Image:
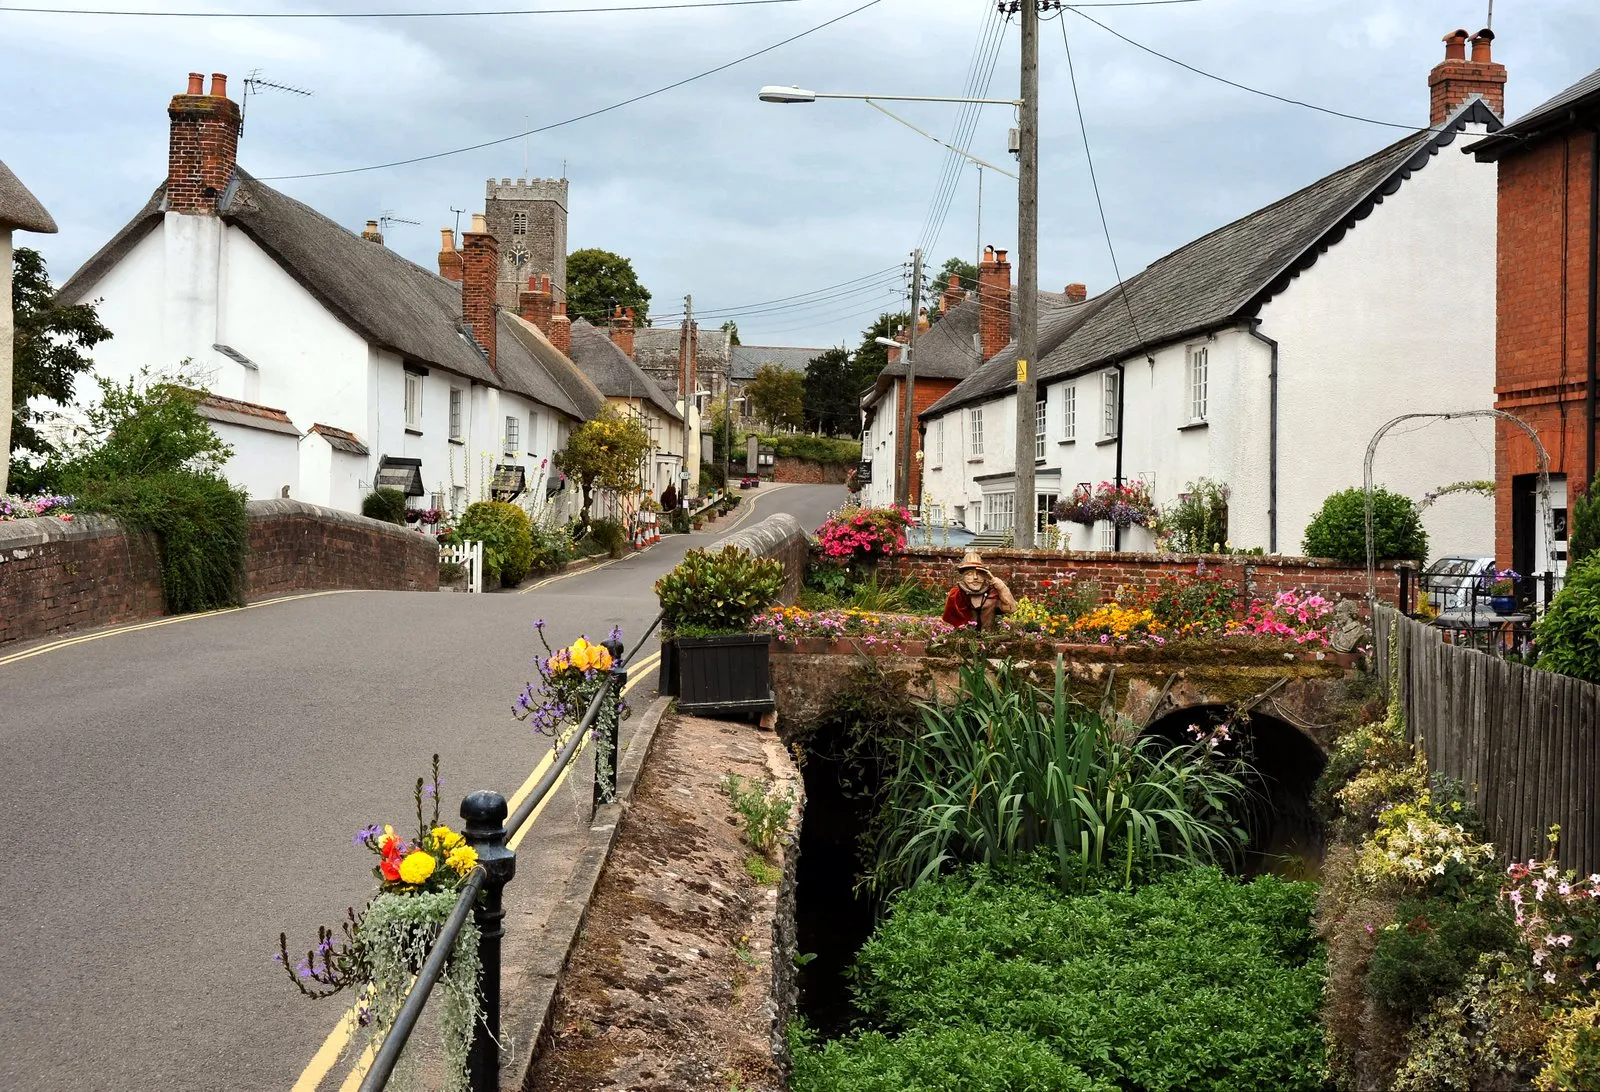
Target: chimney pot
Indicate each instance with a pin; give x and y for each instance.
(1077, 293)
(1455, 81)
(1480, 46)
(203, 150)
(450, 267)
(371, 232)
(219, 85)
(197, 83)
(1455, 45)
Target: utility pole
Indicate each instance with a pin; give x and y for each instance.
(1027, 302)
(686, 391)
(902, 493)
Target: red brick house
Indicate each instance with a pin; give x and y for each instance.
(1547, 280)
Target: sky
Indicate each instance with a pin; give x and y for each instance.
(737, 202)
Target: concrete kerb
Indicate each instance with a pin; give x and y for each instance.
(541, 980)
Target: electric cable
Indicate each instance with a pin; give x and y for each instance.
(879, 274)
(391, 14)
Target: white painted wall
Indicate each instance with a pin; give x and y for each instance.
(263, 462)
(878, 448)
(6, 330)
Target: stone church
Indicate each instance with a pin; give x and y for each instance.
(528, 218)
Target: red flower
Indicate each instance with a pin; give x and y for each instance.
(390, 870)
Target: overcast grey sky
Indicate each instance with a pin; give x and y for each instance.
(710, 191)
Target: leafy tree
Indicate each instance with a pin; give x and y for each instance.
(48, 344)
(1583, 525)
(953, 267)
(778, 396)
(599, 281)
(733, 331)
(871, 358)
(605, 452)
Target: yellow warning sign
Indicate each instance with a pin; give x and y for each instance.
(1022, 370)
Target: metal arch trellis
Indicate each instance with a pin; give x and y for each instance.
(1546, 517)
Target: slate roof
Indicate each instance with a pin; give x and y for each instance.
(392, 302)
(1221, 278)
(21, 209)
(1556, 113)
(611, 371)
(746, 360)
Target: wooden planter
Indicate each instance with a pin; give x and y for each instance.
(667, 680)
(720, 675)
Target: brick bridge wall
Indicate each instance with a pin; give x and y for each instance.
(58, 575)
(788, 468)
(781, 536)
(1254, 577)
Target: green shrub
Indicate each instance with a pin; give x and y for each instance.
(609, 535)
(386, 503)
(1198, 523)
(551, 547)
(506, 536)
(1429, 949)
(1568, 636)
(1008, 769)
(1583, 525)
(817, 449)
(678, 523)
(1195, 982)
(719, 592)
(1339, 529)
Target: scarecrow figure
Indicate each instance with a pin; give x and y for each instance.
(978, 596)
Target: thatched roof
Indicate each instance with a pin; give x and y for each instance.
(20, 209)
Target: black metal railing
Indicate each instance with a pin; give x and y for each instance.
(1461, 605)
(488, 829)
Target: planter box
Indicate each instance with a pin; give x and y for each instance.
(667, 680)
(728, 674)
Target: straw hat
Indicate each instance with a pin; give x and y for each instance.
(972, 560)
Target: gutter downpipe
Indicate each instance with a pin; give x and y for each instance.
(1272, 442)
(1594, 292)
(1122, 400)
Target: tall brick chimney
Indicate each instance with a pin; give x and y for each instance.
(480, 268)
(371, 233)
(994, 301)
(622, 329)
(1077, 293)
(952, 294)
(561, 330)
(1456, 79)
(537, 303)
(203, 150)
(449, 256)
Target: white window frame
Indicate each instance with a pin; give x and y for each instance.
(457, 401)
(975, 432)
(1199, 381)
(938, 443)
(533, 433)
(1069, 412)
(513, 435)
(413, 400)
(1041, 421)
(1109, 393)
(1000, 513)
(1043, 501)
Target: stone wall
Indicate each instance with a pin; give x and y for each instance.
(780, 536)
(1253, 577)
(788, 468)
(59, 575)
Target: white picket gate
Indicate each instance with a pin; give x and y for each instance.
(469, 554)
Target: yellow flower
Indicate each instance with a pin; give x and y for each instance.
(417, 867)
(447, 838)
(462, 859)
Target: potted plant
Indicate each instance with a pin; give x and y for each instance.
(709, 659)
(1501, 587)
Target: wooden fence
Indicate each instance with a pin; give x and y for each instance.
(1522, 742)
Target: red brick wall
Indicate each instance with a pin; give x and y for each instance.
(1253, 577)
(788, 468)
(1542, 319)
(57, 577)
(203, 146)
(994, 302)
(480, 286)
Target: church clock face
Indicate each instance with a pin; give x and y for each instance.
(518, 255)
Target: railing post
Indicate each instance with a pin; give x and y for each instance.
(606, 757)
(1405, 590)
(485, 815)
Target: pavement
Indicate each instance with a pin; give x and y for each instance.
(178, 794)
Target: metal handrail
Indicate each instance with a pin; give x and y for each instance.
(489, 910)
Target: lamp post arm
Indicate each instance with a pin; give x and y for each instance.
(915, 98)
(936, 140)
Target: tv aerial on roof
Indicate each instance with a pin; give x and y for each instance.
(255, 84)
(388, 217)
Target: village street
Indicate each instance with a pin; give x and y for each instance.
(177, 794)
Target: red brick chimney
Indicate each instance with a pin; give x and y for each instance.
(203, 150)
(449, 256)
(994, 301)
(1077, 293)
(952, 295)
(622, 330)
(537, 304)
(1456, 79)
(480, 266)
(561, 330)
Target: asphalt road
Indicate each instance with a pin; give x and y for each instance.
(175, 796)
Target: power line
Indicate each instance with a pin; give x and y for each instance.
(797, 296)
(833, 300)
(1094, 181)
(581, 117)
(1246, 87)
(985, 58)
(391, 14)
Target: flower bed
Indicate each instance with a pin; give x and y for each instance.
(864, 534)
(803, 630)
(45, 504)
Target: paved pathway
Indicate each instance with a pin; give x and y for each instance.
(176, 795)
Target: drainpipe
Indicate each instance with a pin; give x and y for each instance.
(1594, 291)
(1272, 434)
(1122, 400)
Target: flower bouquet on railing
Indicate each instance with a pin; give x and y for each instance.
(381, 947)
(568, 680)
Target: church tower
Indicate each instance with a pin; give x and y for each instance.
(528, 218)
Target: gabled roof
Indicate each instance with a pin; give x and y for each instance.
(610, 370)
(1560, 112)
(21, 209)
(1219, 279)
(236, 411)
(745, 360)
(560, 380)
(388, 300)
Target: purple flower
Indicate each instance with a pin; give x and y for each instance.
(367, 834)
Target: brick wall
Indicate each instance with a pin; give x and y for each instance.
(203, 146)
(788, 468)
(480, 261)
(58, 576)
(1253, 577)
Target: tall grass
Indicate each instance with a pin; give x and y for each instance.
(1010, 769)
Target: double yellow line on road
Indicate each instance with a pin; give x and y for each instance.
(328, 1054)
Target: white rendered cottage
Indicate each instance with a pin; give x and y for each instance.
(337, 364)
(1266, 354)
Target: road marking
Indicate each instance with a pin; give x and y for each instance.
(119, 630)
(327, 1056)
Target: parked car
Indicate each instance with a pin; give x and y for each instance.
(1451, 582)
(953, 535)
